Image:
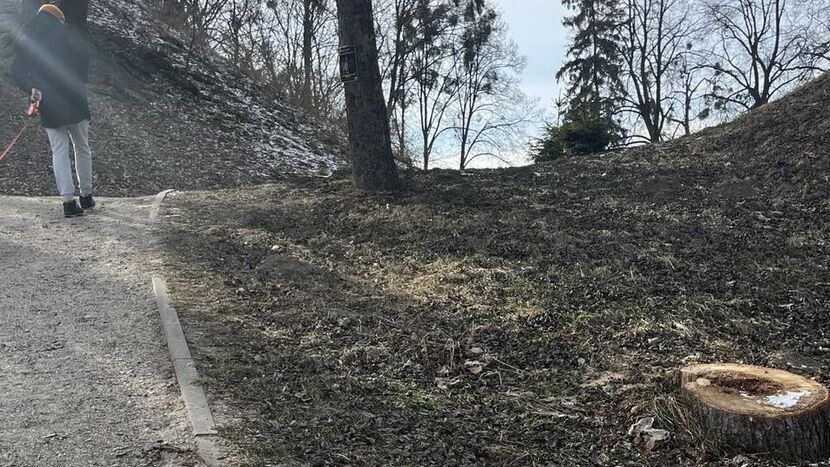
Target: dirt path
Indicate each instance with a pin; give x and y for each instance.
(85, 377)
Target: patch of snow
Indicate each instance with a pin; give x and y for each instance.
(786, 400)
(262, 136)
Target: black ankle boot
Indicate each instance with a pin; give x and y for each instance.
(87, 202)
(71, 209)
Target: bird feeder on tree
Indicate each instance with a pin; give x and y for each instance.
(348, 63)
(760, 410)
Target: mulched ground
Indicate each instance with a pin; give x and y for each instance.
(517, 317)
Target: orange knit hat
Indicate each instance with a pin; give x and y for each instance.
(54, 11)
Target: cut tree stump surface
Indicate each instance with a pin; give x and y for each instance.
(760, 410)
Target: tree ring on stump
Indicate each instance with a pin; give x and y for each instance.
(760, 410)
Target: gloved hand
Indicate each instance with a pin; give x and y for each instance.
(34, 102)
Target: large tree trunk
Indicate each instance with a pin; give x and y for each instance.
(369, 134)
(760, 410)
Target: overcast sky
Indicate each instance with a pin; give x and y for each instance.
(536, 26)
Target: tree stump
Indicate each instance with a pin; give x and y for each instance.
(760, 410)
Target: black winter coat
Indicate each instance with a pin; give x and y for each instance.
(54, 58)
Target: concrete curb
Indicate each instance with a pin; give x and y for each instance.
(195, 400)
(156, 206)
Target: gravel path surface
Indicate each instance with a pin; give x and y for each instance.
(85, 378)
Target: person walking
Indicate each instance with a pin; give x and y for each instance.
(54, 54)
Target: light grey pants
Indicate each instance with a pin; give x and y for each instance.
(60, 139)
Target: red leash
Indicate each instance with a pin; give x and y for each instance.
(9, 148)
(30, 114)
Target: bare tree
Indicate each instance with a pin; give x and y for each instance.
(489, 107)
(398, 39)
(312, 9)
(234, 39)
(290, 48)
(689, 83)
(432, 63)
(297, 46)
(760, 50)
(200, 18)
(653, 41)
(435, 91)
(820, 17)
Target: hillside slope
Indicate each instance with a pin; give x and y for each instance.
(780, 149)
(158, 124)
(514, 317)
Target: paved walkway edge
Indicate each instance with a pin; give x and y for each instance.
(195, 400)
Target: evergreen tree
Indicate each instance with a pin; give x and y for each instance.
(594, 69)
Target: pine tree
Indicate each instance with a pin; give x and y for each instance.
(594, 69)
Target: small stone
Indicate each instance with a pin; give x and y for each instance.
(474, 366)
